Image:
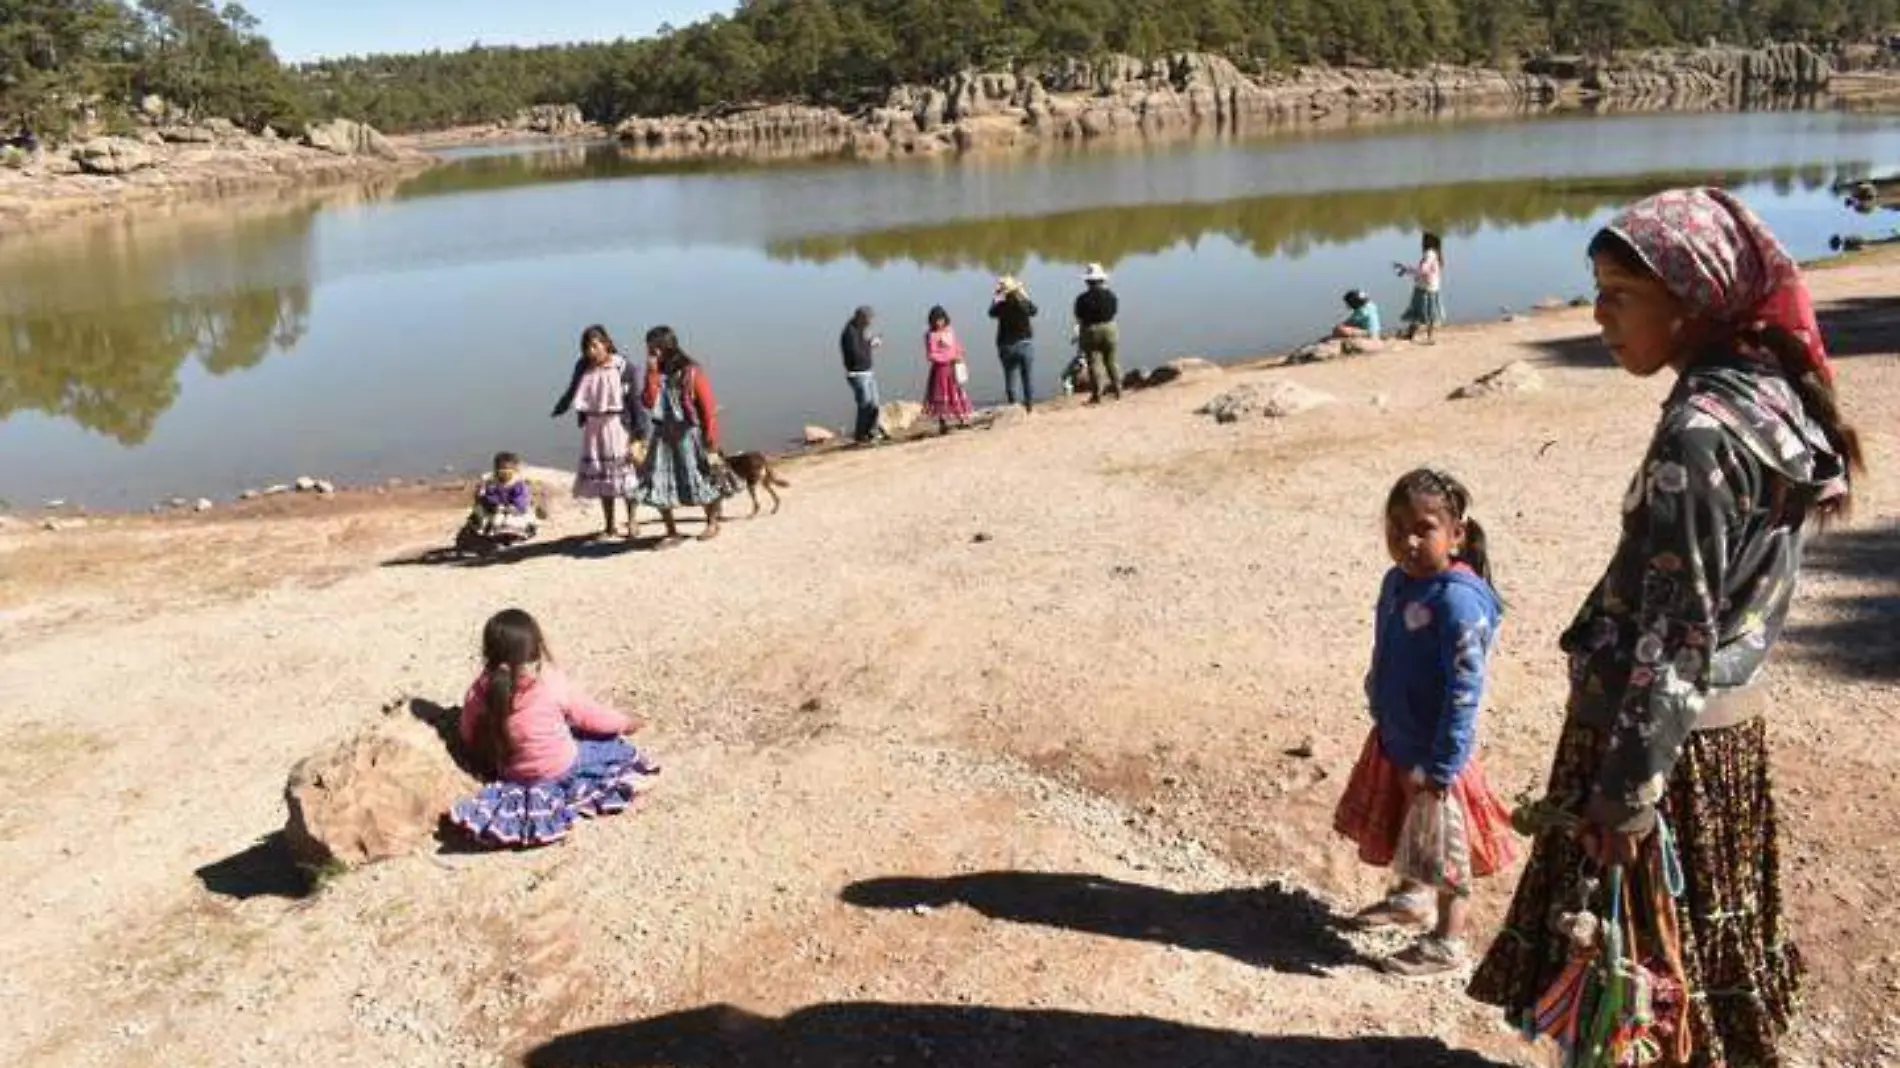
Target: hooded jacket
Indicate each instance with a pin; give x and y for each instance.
(1431, 642)
(1702, 579)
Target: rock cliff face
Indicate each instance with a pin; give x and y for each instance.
(1075, 100)
(1121, 96)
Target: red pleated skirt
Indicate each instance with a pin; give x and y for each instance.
(1372, 812)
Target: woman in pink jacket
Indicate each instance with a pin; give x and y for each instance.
(945, 397)
(557, 754)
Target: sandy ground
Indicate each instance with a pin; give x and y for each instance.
(977, 754)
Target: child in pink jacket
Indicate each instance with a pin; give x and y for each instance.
(557, 754)
(945, 398)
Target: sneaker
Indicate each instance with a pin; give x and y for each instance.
(1429, 956)
(1399, 909)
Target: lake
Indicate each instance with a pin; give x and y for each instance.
(409, 330)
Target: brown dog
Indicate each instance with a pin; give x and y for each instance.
(755, 469)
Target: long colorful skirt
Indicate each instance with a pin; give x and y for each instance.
(1744, 974)
(608, 774)
(1426, 309)
(944, 396)
(602, 473)
(679, 472)
(1372, 811)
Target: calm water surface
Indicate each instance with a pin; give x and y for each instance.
(425, 327)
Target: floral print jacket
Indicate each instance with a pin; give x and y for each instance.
(1701, 582)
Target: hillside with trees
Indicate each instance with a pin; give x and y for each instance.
(60, 57)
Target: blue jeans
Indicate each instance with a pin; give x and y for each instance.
(1019, 359)
(864, 392)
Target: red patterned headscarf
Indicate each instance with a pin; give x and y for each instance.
(1718, 258)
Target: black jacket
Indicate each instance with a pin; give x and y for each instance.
(855, 343)
(1013, 314)
(1096, 305)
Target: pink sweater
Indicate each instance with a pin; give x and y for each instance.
(942, 346)
(547, 710)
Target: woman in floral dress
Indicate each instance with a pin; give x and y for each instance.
(683, 467)
(1664, 729)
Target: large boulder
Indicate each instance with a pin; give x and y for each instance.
(113, 155)
(553, 119)
(899, 416)
(378, 793)
(1514, 377)
(344, 137)
(1273, 400)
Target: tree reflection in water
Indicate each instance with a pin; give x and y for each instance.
(1283, 224)
(96, 327)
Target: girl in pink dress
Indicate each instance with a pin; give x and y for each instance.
(600, 396)
(945, 398)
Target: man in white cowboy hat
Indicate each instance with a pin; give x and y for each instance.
(1097, 333)
(1013, 311)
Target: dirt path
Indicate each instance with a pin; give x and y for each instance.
(929, 798)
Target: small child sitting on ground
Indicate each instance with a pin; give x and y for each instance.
(503, 513)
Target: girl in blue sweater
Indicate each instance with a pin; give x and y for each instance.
(1436, 625)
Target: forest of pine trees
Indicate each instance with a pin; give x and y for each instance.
(844, 52)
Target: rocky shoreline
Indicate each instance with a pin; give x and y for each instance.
(168, 163)
(1124, 97)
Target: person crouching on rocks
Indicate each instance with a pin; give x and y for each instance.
(1097, 333)
(556, 754)
(1362, 318)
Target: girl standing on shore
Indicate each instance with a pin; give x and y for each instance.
(945, 398)
(1427, 309)
(1663, 753)
(682, 465)
(1418, 777)
(600, 396)
(556, 754)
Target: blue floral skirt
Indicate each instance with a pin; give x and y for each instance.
(1427, 308)
(606, 777)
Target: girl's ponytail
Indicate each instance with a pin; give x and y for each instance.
(511, 643)
(1476, 552)
(1822, 404)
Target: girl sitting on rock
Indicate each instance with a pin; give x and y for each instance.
(1417, 782)
(557, 755)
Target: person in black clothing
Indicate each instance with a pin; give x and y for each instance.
(1013, 311)
(859, 345)
(1097, 333)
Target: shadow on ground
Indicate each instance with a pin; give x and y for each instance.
(266, 869)
(1859, 636)
(573, 547)
(1858, 326)
(1273, 927)
(875, 1035)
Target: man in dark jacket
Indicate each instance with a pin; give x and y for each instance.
(1097, 334)
(1013, 311)
(859, 346)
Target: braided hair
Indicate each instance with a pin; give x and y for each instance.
(1443, 486)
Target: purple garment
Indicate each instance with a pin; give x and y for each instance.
(513, 497)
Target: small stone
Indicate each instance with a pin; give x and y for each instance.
(818, 435)
(56, 503)
(203, 504)
(277, 490)
(306, 484)
(250, 495)
(176, 502)
(982, 538)
(1305, 750)
(325, 488)
(1514, 377)
(921, 910)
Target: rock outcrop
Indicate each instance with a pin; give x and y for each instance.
(378, 793)
(345, 137)
(554, 120)
(113, 156)
(1273, 400)
(1121, 96)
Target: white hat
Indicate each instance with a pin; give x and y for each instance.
(1095, 273)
